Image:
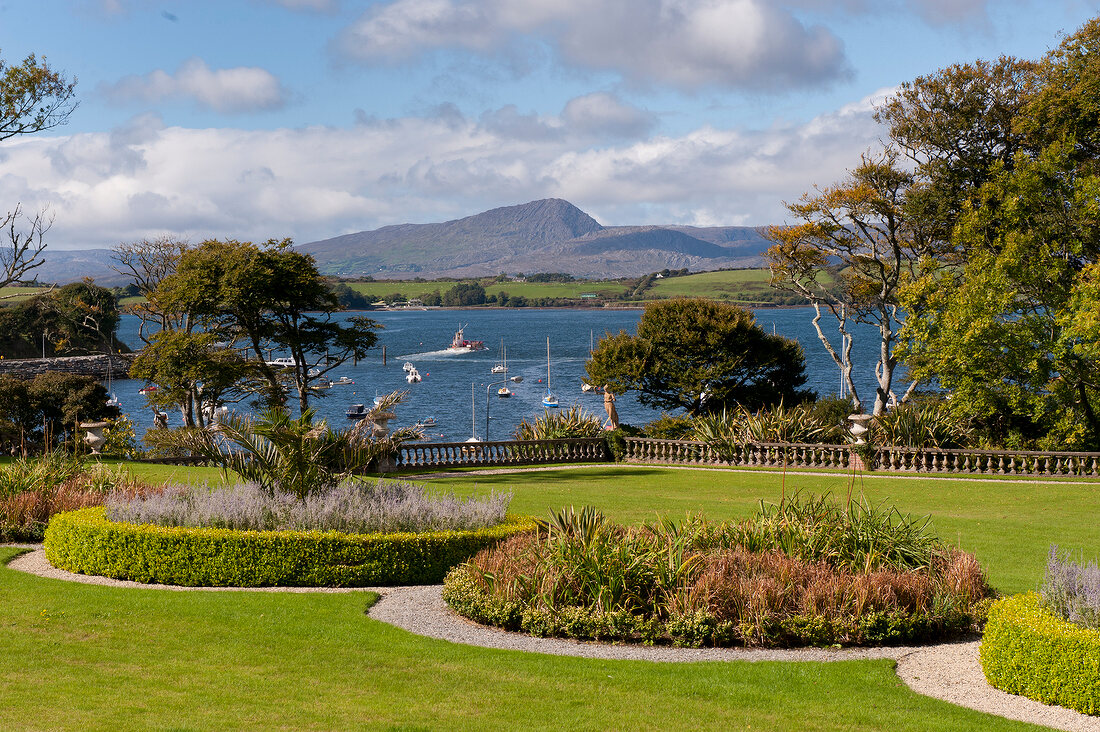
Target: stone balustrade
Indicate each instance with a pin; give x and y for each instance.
(416, 455)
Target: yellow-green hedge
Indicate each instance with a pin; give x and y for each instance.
(1030, 651)
(85, 541)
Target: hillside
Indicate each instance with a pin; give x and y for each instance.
(550, 235)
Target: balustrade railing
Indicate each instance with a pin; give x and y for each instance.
(504, 453)
(1024, 463)
(891, 459)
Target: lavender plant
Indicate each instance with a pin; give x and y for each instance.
(351, 506)
(1072, 590)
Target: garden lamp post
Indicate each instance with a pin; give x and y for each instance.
(488, 390)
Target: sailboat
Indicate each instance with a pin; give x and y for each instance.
(501, 367)
(550, 401)
(473, 419)
(112, 400)
(503, 392)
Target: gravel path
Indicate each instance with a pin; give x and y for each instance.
(949, 671)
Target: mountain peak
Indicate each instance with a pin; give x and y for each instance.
(544, 221)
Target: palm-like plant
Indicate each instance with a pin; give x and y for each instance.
(571, 422)
(299, 456)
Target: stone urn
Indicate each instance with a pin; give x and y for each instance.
(859, 427)
(93, 436)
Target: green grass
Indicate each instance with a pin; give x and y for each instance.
(20, 294)
(1008, 526)
(99, 658)
(741, 285)
(738, 284)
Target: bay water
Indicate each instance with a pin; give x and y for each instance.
(454, 388)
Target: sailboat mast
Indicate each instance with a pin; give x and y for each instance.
(548, 364)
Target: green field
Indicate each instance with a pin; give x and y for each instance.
(18, 294)
(741, 285)
(745, 285)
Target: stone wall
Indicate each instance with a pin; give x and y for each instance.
(95, 366)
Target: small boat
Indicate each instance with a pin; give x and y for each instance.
(502, 366)
(147, 389)
(342, 381)
(426, 422)
(459, 344)
(322, 384)
(357, 411)
(588, 388)
(413, 377)
(112, 401)
(549, 401)
(282, 362)
(407, 367)
(504, 392)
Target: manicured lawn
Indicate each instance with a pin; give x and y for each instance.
(97, 658)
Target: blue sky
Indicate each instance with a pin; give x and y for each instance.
(255, 119)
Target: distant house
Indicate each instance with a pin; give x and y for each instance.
(415, 302)
(588, 296)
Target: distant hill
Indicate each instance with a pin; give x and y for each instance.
(71, 265)
(549, 235)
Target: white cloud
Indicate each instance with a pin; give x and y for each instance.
(235, 90)
(145, 179)
(688, 44)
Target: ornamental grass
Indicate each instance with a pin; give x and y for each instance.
(351, 506)
(34, 489)
(699, 583)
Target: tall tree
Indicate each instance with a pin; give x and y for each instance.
(852, 250)
(1006, 327)
(700, 356)
(267, 298)
(33, 98)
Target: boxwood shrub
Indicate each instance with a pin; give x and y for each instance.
(1029, 650)
(85, 541)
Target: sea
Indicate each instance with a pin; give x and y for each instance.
(459, 392)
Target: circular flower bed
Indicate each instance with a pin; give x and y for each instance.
(804, 573)
(86, 542)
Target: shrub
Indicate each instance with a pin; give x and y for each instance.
(298, 456)
(33, 490)
(922, 424)
(353, 507)
(668, 427)
(1072, 591)
(561, 424)
(85, 541)
(695, 584)
(728, 431)
(1031, 651)
(857, 535)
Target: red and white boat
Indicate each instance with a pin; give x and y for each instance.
(459, 344)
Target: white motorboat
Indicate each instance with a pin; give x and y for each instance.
(342, 381)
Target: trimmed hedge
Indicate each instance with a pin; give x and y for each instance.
(86, 542)
(1031, 651)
